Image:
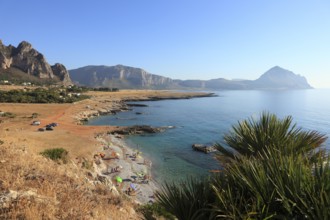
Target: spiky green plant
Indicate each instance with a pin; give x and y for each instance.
(187, 199)
(250, 137)
(273, 186)
(273, 170)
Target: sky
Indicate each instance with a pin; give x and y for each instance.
(181, 39)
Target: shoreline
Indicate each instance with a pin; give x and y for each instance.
(122, 104)
(84, 141)
(118, 154)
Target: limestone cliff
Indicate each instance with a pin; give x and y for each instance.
(119, 76)
(31, 62)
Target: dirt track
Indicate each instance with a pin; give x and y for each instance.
(79, 140)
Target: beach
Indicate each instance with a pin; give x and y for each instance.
(132, 169)
(124, 169)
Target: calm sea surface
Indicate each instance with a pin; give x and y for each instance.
(206, 120)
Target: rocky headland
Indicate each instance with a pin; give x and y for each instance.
(108, 107)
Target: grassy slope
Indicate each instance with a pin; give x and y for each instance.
(16, 75)
(33, 187)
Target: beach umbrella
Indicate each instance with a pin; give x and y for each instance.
(119, 179)
(133, 186)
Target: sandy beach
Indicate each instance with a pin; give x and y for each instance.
(87, 143)
(134, 170)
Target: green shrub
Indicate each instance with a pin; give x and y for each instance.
(39, 95)
(154, 211)
(56, 154)
(8, 115)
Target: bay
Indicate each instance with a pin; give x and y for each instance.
(206, 120)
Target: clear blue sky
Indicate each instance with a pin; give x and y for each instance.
(195, 39)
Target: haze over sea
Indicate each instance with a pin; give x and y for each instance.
(206, 120)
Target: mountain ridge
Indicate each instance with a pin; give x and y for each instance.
(118, 76)
(127, 77)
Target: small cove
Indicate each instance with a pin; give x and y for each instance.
(206, 120)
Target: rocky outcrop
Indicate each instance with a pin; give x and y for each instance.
(60, 71)
(204, 148)
(5, 56)
(31, 62)
(138, 129)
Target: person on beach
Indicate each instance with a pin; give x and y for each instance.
(146, 179)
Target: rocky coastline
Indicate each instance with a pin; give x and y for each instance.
(112, 107)
(113, 140)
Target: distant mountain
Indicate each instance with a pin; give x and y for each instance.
(279, 78)
(119, 77)
(129, 77)
(26, 63)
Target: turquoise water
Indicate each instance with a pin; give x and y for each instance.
(206, 120)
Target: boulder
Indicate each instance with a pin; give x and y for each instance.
(204, 148)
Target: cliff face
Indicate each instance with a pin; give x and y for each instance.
(119, 76)
(31, 62)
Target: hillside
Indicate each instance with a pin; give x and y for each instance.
(129, 77)
(24, 63)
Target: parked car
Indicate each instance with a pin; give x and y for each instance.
(41, 129)
(36, 123)
(53, 124)
(49, 128)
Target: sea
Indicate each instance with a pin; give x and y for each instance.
(207, 120)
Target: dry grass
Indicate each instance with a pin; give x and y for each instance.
(33, 187)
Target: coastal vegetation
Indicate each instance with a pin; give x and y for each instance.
(41, 95)
(7, 115)
(56, 154)
(50, 94)
(271, 169)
